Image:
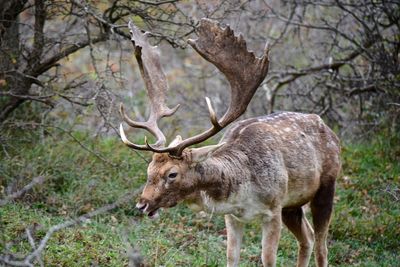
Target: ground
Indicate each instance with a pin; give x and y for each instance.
(364, 231)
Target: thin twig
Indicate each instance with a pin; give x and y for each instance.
(33, 245)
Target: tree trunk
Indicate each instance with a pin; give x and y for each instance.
(12, 81)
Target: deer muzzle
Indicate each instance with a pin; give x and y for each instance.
(147, 208)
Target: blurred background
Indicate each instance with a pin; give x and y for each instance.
(65, 66)
(70, 63)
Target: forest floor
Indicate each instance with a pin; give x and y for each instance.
(364, 230)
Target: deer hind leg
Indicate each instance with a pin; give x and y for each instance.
(234, 230)
(297, 223)
(321, 209)
(271, 232)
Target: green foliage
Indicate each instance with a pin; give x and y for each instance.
(365, 227)
(364, 230)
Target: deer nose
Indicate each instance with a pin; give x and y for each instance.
(142, 206)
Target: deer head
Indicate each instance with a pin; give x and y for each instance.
(172, 175)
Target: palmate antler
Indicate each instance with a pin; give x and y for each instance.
(229, 54)
(148, 58)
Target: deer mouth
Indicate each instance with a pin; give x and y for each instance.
(153, 214)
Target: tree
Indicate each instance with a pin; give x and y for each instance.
(36, 36)
(336, 58)
(349, 60)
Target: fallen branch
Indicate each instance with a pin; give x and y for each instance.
(19, 193)
(134, 256)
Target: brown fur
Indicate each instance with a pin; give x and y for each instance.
(268, 168)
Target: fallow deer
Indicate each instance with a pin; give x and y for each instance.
(264, 168)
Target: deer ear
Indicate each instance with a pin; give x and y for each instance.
(203, 153)
(176, 141)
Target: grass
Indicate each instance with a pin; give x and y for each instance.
(364, 231)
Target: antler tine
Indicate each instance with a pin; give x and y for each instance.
(176, 151)
(129, 143)
(148, 58)
(213, 116)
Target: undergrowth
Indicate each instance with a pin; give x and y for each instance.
(364, 231)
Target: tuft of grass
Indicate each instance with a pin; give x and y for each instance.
(364, 229)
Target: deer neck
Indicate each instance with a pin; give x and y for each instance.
(216, 179)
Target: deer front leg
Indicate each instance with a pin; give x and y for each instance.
(234, 230)
(271, 232)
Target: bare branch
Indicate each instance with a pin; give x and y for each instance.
(19, 193)
(52, 61)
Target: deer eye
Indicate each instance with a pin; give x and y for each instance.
(172, 175)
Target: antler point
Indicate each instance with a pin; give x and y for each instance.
(213, 116)
(122, 133)
(121, 109)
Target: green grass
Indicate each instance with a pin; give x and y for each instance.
(364, 231)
